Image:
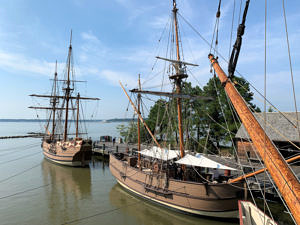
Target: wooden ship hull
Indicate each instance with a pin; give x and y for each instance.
(203, 199)
(68, 153)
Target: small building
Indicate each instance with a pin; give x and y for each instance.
(281, 129)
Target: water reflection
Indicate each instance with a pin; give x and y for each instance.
(147, 213)
(67, 187)
(100, 162)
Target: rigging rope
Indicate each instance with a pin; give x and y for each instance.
(237, 45)
(291, 68)
(233, 12)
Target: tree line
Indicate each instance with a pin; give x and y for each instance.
(208, 125)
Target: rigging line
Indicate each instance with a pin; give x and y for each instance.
(23, 157)
(286, 184)
(270, 125)
(18, 151)
(265, 105)
(180, 40)
(230, 43)
(22, 146)
(22, 172)
(25, 191)
(222, 57)
(272, 182)
(240, 12)
(290, 63)
(274, 107)
(155, 61)
(229, 131)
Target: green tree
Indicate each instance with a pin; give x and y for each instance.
(219, 114)
(129, 133)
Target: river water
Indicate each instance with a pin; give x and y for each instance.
(35, 191)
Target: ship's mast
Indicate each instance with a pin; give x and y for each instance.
(54, 101)
(68, 89)
(138, 124)
(284, 178)
(178, 80)
(77, 118)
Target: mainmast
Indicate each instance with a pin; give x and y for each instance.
(138, 123)
(68, 89)
(54, 101)
(180, 74)
(77, 118)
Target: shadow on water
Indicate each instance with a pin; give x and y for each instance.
(68, 186)
(100, 162)
(148, 213)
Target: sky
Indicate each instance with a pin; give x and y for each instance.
(119, 39)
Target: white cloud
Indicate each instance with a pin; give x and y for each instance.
(89, 36)
(160, 22)
(115, 76)
(20, 63)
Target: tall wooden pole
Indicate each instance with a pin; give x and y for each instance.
(178, 81)
(140, 117)
(138, 124)
(283, 177)
(77, 116)
(54, 102)
(68, 89)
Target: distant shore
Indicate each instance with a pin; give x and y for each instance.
(44, 120)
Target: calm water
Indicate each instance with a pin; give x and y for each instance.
(35, 191)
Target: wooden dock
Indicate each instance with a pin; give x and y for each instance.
(105, 148)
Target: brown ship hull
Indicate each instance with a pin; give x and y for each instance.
(68, 153)
(214, 200)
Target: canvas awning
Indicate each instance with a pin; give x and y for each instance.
(161, 153)
(202, 161)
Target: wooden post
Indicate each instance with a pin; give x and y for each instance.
(245, 191)
(283, 177)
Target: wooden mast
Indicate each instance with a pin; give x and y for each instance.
(178, 80)
(77, 116)
(138, 123)
(139, 115)
(68, 89)
(283, 177)
(54, 102)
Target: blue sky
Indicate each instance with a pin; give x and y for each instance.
(118, 39)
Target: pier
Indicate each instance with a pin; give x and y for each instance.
(105, 148)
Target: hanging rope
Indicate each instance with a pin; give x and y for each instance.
(290, 63)
(265, 105)
(232, 22)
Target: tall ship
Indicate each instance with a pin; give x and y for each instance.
(187, 182)
(149, 175)
(60, 145)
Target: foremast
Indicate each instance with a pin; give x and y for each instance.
(68, 89)
(284, 178)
